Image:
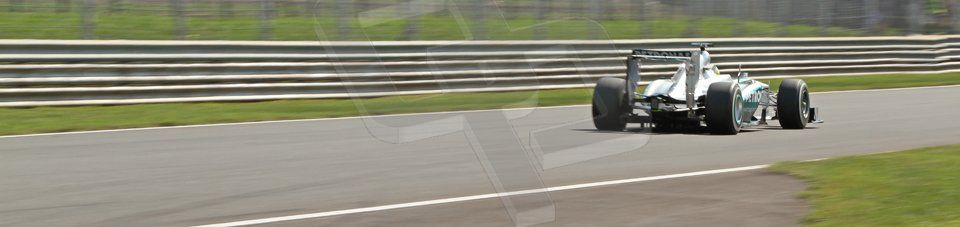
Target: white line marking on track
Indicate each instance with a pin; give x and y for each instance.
(479, 197)
(389, 115)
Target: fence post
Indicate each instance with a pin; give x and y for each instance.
(179, 22)
(88, 27)
(266, 19)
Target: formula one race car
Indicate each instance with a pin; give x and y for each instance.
(696, 95)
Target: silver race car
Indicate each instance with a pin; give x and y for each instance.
(698, 95)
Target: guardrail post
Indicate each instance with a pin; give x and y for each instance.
(179, 22)
(266, 19)
(88, 27)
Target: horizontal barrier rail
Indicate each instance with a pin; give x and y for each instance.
(54, 73)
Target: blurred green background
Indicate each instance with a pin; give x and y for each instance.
(468, 19)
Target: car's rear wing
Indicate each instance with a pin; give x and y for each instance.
(662, 55)
(691, 61)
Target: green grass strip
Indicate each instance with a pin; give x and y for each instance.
(62, 119)
(911, 188)
(138, 25)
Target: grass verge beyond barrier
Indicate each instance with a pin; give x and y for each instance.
(62, 119)
(911, 188)
(437, 26)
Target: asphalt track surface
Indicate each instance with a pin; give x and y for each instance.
(217, 174)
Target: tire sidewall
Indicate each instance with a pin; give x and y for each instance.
(722, 109)
(736, 110)
(804, 110)
(608, 107)
(791, 111)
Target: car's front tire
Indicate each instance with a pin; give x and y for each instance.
(793, 104)
(724, 107)
(609, 104)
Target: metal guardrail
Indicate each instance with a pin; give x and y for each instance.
(55, 73)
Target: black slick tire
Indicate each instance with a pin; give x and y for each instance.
(609, 104)
(793, 104)
(723, 104)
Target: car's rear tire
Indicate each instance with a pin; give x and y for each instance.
(793, 104)
(724, 107)
(609, 104)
